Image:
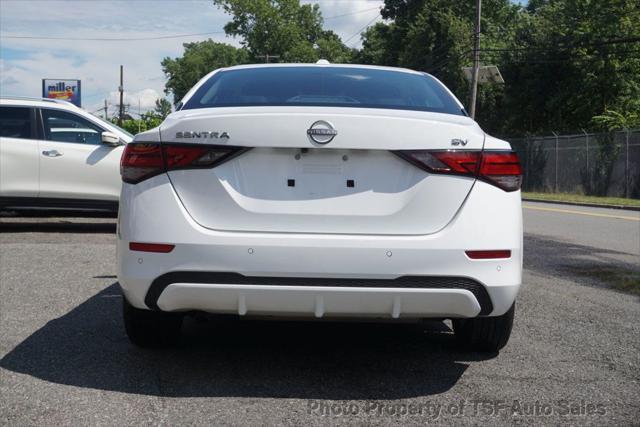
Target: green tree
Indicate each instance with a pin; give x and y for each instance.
(148, 120)
(162, 108)
(283, 28)
(563, 61)
(571, 60)
(199, 59)
(436, 36)
(330, 47)
(379, 45)
(597, 181)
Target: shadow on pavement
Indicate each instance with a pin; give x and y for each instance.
(57, 213)
(58, 227)
(87, 347)
(579, 263)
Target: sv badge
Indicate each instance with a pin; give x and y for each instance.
(456, 142)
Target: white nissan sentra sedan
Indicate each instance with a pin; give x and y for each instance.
(321, 191)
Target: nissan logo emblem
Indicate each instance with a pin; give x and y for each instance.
(322, 132)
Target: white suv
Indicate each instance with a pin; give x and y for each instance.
(56, 155)
(326, 191)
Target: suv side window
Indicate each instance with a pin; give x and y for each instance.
(15, 122)
(63, 126)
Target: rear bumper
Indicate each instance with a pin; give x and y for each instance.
(307, 301)
(151, 212)
(233, 293)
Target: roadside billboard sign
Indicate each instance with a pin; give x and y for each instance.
(65, 89)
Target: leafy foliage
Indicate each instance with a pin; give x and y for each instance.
(283, 28)
(612, 120)
(436, 36)
(199, 59)
(596, 181)
(568, 64)
(162, 108)
(148, 120)
(563, 61)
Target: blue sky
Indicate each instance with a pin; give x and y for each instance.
(24, 62)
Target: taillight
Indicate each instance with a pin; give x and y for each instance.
(141, 161)
(500, 168)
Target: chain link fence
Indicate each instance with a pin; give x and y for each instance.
(599, 164)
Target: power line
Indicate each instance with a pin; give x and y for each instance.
(174, 36)
(567, 55)
(351, 13)
(560, 60)
(570, 46)
(118, 39)
(267, 57)
(437, 66)
(442, 63)
(375, 18)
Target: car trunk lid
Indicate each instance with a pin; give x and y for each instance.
(353, 184)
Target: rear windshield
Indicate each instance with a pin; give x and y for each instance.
(326, 87)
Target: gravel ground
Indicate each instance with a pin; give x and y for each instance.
(574, 355)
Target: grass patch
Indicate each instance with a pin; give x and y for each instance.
(626, 281)
(578, 198)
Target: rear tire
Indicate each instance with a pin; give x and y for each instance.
(486, 334)
(154, 329)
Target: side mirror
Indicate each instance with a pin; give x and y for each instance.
(110, 138)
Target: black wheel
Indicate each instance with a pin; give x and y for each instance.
(146, 328)
(488, 334)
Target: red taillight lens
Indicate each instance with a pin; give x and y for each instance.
(141, 161)
(455, 162)
(494, 254)
(198, 156)
(500, 168)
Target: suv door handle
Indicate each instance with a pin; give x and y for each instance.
(52, 153)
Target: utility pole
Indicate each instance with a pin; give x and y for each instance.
(476, 61)
(106, 111)
(140, 116)
(121, 89)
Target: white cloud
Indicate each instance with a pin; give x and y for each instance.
(349, 18)
(24, 62)
(144, 99)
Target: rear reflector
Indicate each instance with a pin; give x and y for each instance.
(499, 168)
(145, 160)
(494, 254)
(151, 247)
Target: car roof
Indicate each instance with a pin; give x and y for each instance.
(62, 105)
(36, 102)
(322, 64)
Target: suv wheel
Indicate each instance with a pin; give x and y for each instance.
(488, 334)
(146, 328)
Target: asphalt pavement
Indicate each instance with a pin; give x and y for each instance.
(574, 355)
